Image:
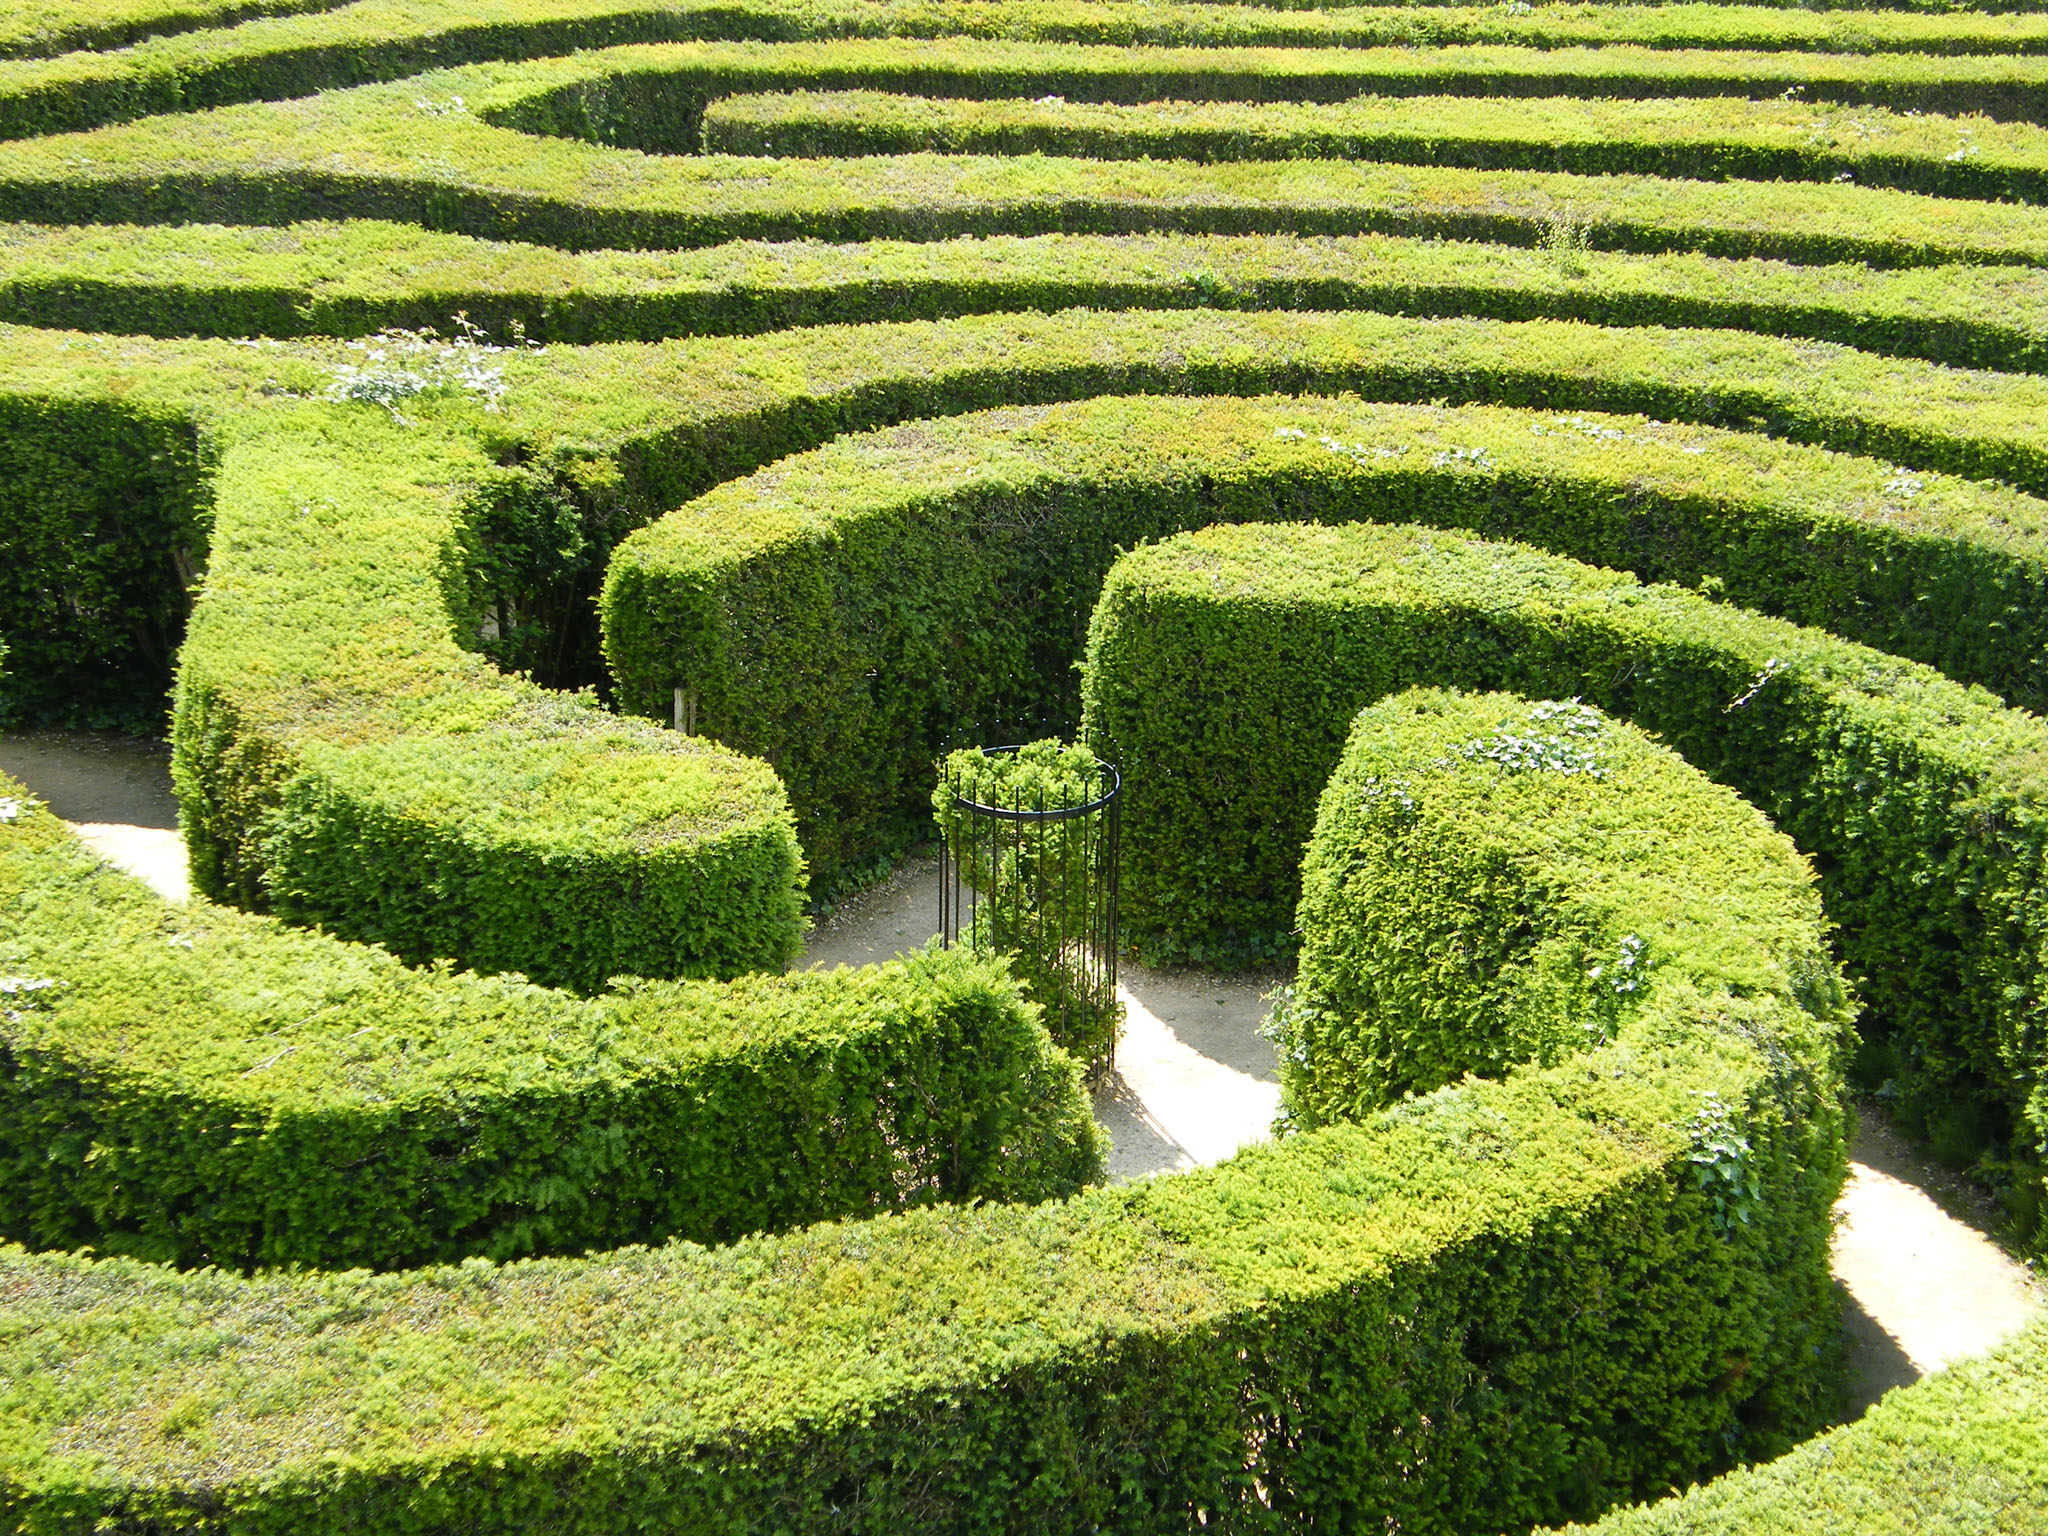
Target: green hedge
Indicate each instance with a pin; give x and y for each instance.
(204, 1087)
(38, 28)
(1224, 668)
(1713, 140)
(1491, 882)
(453, 771)
(340, 46)
(104, 519)
(415, 154)
(341, 759)
(356, 278)
(1505, 1303)
(840, 613)
(1961, 1453)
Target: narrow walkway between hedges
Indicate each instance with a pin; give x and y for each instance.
(1922, 1285)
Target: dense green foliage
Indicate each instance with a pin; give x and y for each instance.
(1708, 140)
(344, 45)
(356, 278)
(201, 1086)
(839, 613)
(1224, 668)
(1592, 1272)
(104, 517)
(1962, 1453)
(457, 150)
(1113, 1359)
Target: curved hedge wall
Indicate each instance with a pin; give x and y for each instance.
(506, 984)
(1126, 1354)
(204, 1087)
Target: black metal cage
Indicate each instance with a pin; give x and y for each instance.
(1031, 871)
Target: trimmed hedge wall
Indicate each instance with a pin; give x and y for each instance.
(1414, 1318)
(1224, 668)
(413, 153)
(1491, 882)
(386, 39)
(204, 1087)
(612, 436)
(105, 512)
(352, 279)
(1713, 140)
(1961, 1453)
(370, 776)
(39, 28)
(1506, 1303)
(840, 613)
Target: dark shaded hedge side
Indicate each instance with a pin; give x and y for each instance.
(1961, 1453)
(204, 1087)
(841, 613)
(105, 515)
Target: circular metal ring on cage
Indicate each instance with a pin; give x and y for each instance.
(1039, 884)
(1007, 813)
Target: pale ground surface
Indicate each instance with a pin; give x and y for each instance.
(1195, 1081)
(117, 796)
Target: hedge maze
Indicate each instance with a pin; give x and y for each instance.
(1547, 506)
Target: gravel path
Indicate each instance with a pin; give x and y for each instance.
(1195, 1081)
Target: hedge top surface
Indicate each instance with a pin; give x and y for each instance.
(1728, 137)
(385, 39)
(819, 496)
(133, 1383)
(349, 754)
(1493, 881)
(409, 146)
(275, 1021)
(353, 278)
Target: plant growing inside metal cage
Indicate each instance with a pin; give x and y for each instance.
(1028, 868)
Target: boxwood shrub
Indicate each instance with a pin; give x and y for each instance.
(841, 612)
(1588, 54)
(494, 150)
(356, 278)
(199, 1086)
(214, 62)
(1212, 656)
(1506, 1302)
(1711, 140)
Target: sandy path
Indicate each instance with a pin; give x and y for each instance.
(116, 794)
(1195, 1081)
